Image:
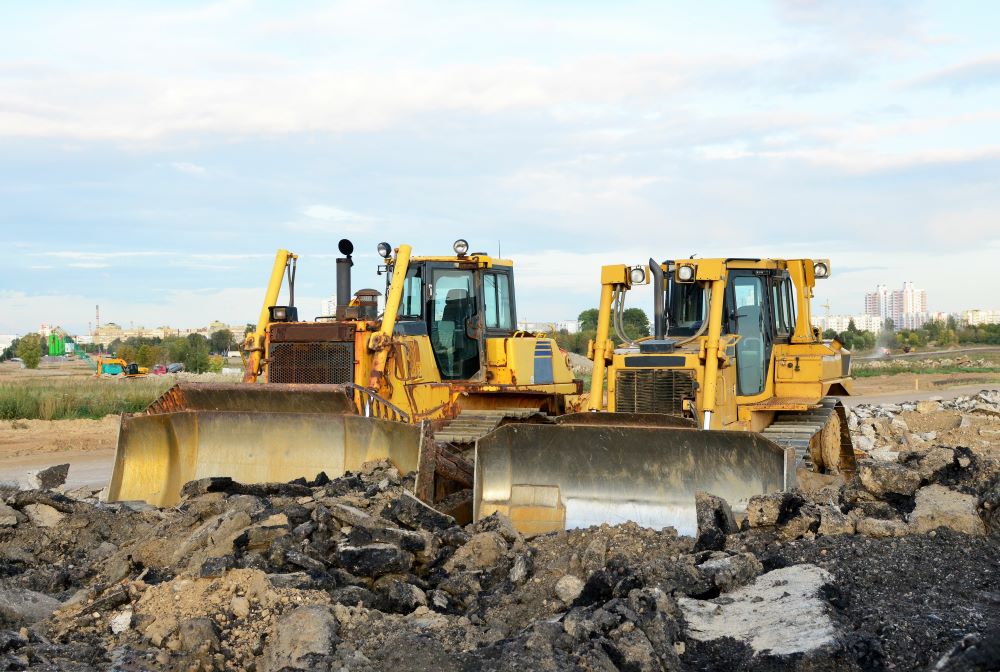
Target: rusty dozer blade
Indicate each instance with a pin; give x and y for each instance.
(563, 476)
(252, 434)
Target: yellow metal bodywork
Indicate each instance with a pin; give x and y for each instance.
(255, 344)
(252, 435)
(804, 368)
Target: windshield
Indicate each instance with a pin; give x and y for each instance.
(687, 308)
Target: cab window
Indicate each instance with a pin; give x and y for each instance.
(497, 301)
(412, 303)
(783, 325)
(688, 309)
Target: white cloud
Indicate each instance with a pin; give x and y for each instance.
(321, 218)
(188, 168)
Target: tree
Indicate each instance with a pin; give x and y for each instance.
(588, 319)
(196, 358)
(636, 323)
(29, 349)
(222, 341)
(10, 351)
(215, 363)
(148, 355)
(127, 352)
(177, 348)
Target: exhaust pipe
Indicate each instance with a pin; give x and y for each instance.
(659, 327)
(344, 265)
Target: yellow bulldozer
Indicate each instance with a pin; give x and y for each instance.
(735, 393)
(332, 393)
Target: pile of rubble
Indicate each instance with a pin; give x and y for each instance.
(908, 364)
(895, 569)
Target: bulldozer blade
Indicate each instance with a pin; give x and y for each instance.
(158, 453)
(272, 398)
(554, 477)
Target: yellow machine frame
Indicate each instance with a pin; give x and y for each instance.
(800, 372)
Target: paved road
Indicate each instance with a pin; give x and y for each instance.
(86, 468)
(918, 395)
(927, 354)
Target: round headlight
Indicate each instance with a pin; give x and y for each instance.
(685, 273)
(384, 250)
(461, 246)
(821, 270)
(637, 275)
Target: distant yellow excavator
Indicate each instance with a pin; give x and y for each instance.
(335, 392)
(735, 393)
(115, 366)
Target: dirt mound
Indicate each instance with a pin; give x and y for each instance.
(895, 570)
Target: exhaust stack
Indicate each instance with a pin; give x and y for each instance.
(344, 265)
(659, 326)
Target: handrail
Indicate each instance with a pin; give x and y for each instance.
(372, 405)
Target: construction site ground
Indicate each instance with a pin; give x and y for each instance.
(897, 569)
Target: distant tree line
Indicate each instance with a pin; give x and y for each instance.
(197, 353)
(634, 320)
(939, 333)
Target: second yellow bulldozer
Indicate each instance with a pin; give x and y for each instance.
(734, 393)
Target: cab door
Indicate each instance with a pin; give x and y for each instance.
(454, 323)
(750, 318)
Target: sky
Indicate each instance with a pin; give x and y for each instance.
(153, 156)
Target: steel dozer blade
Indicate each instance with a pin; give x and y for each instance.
(554, 477)
(256, 434)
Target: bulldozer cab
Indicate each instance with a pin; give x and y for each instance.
(458, 304)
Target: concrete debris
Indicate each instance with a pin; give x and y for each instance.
(43, 515)
(833, 521)
(20, 606)
(773, 508)
(730, 572)
(781, 613)
(568, 588)
(885, 478)
(121, 621)
(715, 521)
(299, 637)
(939, 506)
(483, 551)
(9, 517)
(50, 478)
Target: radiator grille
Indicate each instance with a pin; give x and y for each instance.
(318, 362)
(653, 390)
